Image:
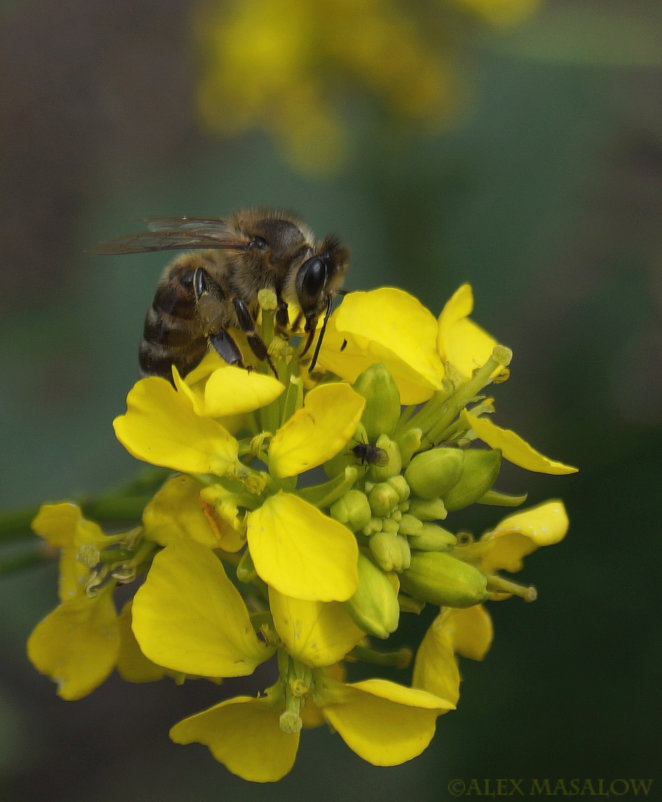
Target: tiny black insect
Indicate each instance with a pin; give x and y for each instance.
(369, 454)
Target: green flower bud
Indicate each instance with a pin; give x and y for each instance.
(481, 468)
(373, 525)
(439, 578)
(352, 509)
(383, 499)
(399, 484)
(431, 537)
(410, 525)
(409, 443)
(391, 551)
(374, 607)
(432, 473)
(389, 525)
(390, 463)
(428, 509)
(382, 397)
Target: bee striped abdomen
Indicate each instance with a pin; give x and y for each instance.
(172, 334)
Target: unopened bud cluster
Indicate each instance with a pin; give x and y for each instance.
(408, 486)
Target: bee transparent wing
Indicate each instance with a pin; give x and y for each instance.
(173, 234)
(209, 226)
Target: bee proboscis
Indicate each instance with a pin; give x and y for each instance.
(203, 294)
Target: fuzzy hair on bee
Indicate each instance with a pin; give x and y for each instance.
(203, 294)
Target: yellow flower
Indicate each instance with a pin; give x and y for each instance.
(161, 426)
(384, 723)
(175, 512)
(189, 617)
(132, 665)
(63, 526)
(244, 734)
(467, 632)
(381, 721)
(302, 552)
(500, 12)
(461, 342)
(315, 633)
(281, 83)
(521, 534)
(317, 431)
(388, 326)
(286, 67)
(513, 447)
(227, 390)
(77, 644)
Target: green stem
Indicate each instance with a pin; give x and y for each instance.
(15, 525)
(115, 509)
(499, 584)
(26, 559)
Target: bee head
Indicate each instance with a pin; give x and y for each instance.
(319, 278)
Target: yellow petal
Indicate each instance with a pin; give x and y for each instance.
(317, 431)
(76, 645)
(63, 526)
(514, 448)
(161, 427)
(302, 552)
(522, 533)
(230, 390)
(222, 513)
(175, 512)
(59, 524)
(385, 723)
(461, 342)
(435, 667)
(73, 575)
(389, 326)
(472, 631)
(132, 665)
(317, 633)
(189, 617)
(244, 734)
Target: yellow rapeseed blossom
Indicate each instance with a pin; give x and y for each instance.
(288, 67)
(384, 723)
(305, 517)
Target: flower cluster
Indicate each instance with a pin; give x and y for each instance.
(289, 68)
(302, 518)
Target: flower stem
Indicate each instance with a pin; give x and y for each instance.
(26, 558)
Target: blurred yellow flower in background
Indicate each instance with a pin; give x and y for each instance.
(294, 68)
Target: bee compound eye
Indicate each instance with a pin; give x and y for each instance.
(312, 280)
(259, 244)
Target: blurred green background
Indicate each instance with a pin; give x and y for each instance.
(536, 174)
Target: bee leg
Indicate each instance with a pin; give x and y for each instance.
(209, 298)
(247, 325)
(227, 348)
(282, 316)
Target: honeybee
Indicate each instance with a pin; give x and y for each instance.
(204, 293)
